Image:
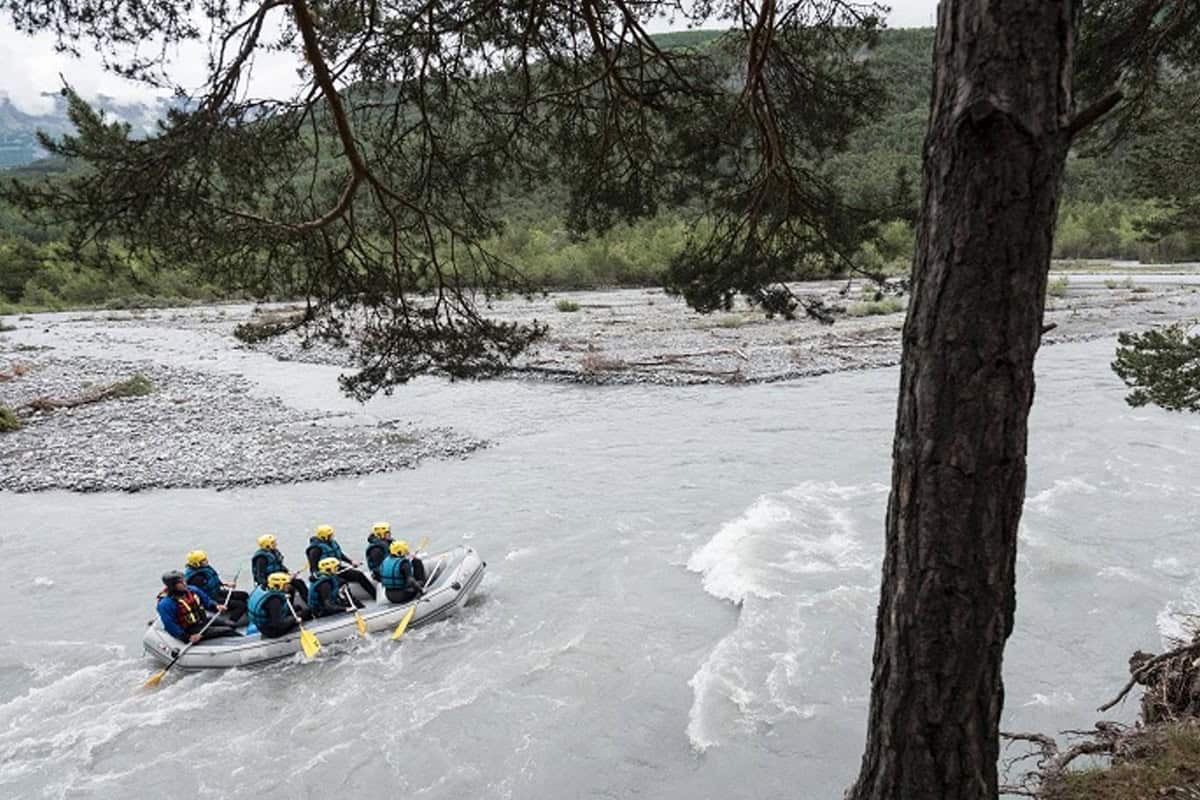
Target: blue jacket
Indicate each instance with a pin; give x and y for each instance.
(321, 605)
(177, 613)
(396, 573)
(319, 548)
(205, 578)
(256, 606)
(377, 551)
(264, 562)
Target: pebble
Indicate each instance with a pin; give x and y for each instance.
(218, 437)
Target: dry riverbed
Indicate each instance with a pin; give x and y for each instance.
(198, 427)
(645, 336)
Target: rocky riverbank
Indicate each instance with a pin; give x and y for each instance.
(645, 336)
(190, 429)
(202, 425)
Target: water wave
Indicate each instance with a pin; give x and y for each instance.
(792, 562)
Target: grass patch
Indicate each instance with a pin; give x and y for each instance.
(137, 385)
(8, 420)
(1165, 760)
(567, 306)
(1113, 284)
(1058, 287)
(874, 308)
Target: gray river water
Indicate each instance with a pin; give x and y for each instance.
(679, 600)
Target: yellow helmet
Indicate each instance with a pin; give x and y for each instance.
(325, 533)
(328, 565)
(196, 558)
(267, 541)
(381, 529)
(399, 548)
(278, 581)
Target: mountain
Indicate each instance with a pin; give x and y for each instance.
(18, 129)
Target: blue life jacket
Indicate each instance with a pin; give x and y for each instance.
(394, 572)
(274, 564)
(256, 605)
(315, 602)
(377, 551)
(329, 549)
(210, 581)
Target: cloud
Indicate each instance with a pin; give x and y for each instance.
(40, 67)
(42, 72)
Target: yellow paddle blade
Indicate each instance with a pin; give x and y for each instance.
(360, 623)
(154, 680)
(310, 643)
(421, 545)
(403, 626)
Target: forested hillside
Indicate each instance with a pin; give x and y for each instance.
(1108, 212)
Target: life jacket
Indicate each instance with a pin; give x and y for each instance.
(210, 581)
(314, 595)
(257, 605)
(377, 551)
(274, 564)
(188, 608)
(394, 572)
(330, 549)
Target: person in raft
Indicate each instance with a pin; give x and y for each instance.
(398, 574)
(322, 545)
(183, 608)
(268, 560)
(325, 595)
(378, 542)
(269, 610)
(199, 573)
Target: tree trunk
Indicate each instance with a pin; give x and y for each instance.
(994, 157)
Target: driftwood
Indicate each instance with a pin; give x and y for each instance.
(1108, 738)
(1172, 683)
(136, 386)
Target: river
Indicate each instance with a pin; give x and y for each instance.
(679, 600)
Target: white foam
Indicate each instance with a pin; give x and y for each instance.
(788, 559)
(725, 560)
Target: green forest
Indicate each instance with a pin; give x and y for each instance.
(1109, 211)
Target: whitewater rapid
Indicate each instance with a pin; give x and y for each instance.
(679, 600)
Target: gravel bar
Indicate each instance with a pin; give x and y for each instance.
(194, 430)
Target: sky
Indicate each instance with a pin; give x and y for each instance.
(38, 67)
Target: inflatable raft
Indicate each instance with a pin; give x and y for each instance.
(452, 576)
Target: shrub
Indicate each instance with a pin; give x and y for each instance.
(1058, 287)
(567, 306)
(137, 385)
(8, 420)
(871, 308)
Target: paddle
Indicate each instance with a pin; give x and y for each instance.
(403, 626)
(156, 678)
(421, 545)
(359, 622)
(308, 640)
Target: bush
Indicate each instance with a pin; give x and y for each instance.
(567, 306)
(871, 308)
(8, 420)
(136, 386)
(1058, 287)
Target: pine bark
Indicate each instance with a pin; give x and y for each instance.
(993, 163)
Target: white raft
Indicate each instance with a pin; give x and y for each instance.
(452, 576)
